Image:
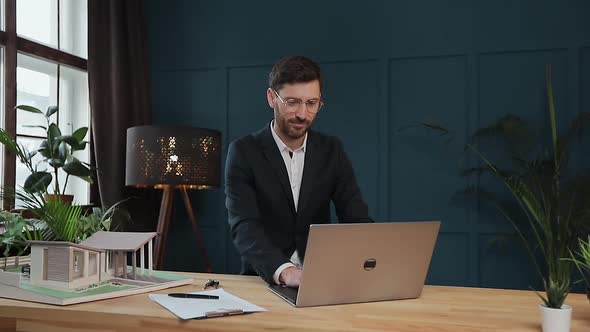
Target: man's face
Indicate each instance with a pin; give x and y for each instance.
(295, 121)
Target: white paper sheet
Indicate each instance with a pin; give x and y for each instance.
(226, 305)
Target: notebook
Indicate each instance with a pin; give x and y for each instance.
(351, 263)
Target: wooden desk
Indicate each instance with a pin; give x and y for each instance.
(438, 309)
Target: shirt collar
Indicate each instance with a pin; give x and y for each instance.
(281, 145)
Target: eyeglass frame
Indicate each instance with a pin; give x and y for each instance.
(300, 103)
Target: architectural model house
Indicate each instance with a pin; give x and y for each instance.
(105, 265)
(121, 246)
(101, 257)
(66, 264)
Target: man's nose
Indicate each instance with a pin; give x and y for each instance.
(301, 112)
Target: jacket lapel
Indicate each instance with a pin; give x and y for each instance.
(271, 152)
(311, 171)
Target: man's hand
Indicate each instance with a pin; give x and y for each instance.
(291, 276)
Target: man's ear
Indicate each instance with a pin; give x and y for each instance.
(270, 97)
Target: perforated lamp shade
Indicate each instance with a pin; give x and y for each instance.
(173, 156)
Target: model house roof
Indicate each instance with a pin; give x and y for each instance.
(119, 241)
(64, 244)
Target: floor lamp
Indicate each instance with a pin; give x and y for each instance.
(170, 158)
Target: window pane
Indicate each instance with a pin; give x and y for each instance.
(37, 20)
(36, 84)
(2, 19)
(73, 29)
(74, 113)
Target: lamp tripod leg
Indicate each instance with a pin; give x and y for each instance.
(196, 229)
(163, 226)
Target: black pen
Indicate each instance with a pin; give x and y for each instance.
(194, 296)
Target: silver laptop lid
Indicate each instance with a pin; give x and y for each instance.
(349, 263)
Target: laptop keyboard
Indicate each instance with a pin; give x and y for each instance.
(288, 293)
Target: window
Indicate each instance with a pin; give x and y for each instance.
(92, 264)
(78, 268)
(45, 262)
(37, 20)
(1, 103)
(110, 261)
(43, 46)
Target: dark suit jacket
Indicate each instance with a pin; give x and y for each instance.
(264, 225)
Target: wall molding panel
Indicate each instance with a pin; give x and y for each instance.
(387, 66)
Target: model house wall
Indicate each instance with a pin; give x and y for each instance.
(64, 265)
(99, 258)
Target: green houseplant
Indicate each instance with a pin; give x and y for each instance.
(582, 261)
(546, 203)
(17, 231)
(55, 217)
(551, 202)
(56, 152)
(57, 220)
(62, 221)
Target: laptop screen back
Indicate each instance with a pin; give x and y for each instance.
(348, 263)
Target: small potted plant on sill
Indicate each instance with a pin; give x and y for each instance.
(13, 240)
(56, 151)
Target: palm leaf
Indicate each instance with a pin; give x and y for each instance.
(554, 210)
(62, 218)
(512, 129)
(552, 121)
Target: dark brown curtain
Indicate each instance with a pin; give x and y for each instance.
(119, 91)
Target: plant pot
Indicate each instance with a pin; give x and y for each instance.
(556, 320)
(64, 198)
(25, 213)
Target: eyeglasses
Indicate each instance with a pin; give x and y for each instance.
(293, 104)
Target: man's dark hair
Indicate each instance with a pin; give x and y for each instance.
(294, 69)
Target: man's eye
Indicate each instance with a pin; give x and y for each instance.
(312, 102)
(293, 102)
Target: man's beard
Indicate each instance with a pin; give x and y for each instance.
(293, 132)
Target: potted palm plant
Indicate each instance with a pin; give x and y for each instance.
(56, 151)
(547, 199)
(551, 200)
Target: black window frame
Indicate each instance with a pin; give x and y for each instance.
(12, 46)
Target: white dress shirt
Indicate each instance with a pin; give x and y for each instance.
(294, 162)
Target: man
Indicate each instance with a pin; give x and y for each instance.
(282, 178)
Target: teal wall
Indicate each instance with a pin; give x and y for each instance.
(386, 64)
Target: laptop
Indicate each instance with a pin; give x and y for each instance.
(351, 263)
